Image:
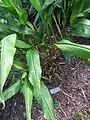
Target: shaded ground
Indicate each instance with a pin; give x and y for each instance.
(72, 78)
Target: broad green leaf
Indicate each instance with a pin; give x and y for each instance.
(21, 29)
(75, 49)
(22, 44)
(6, 2)
(86, 9)
(20, 65)
(4, 8)
(46, 5)
(36, 4)
(28, 96)
(6, 60)
(12, 90)
(16, 6)
(79, 5)
(86, 5)
(81, 28)
(46, 102)
(42, 2)
(33, 62)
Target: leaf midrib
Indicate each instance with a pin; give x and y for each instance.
(74, 45)
(48, 107)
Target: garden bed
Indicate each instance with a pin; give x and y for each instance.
(33, 42)
(72, 78)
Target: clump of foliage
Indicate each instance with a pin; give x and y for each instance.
(20, 41)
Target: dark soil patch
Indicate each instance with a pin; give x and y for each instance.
(14, 110)
(82, 40)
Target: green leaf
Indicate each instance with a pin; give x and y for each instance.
(47, 4)
(86, 4)
(5, 8)
(81, 28)
(85, 10)
(21, 29)
(46, 102)
(16, 7)
(6, 2)
(12, 90)
(86, 7)
(33, 62)
(7, 54)
(22, 44)
(74, 49)
(79, 5)
(28, 95)
(36, 4)
(20, 65)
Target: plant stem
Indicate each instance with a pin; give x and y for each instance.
(58, 28)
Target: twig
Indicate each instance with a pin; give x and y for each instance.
(84, 95)
(66, 94)
(44, 78)
(58, 28)
(62, 110)
(76, 66)
(58, 76)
